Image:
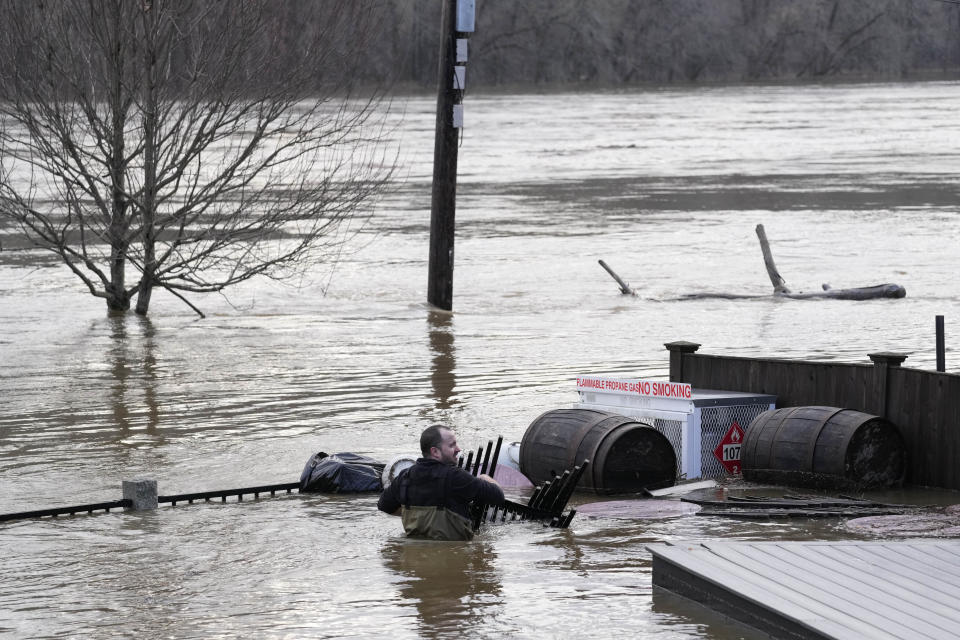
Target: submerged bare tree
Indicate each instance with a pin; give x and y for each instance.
(167, 139)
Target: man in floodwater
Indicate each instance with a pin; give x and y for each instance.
(433, 496)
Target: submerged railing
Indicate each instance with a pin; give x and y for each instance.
(140, 495)
(547, 503)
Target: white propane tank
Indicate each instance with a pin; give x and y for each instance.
(394, 466)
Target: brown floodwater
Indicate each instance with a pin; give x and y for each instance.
(855, 184)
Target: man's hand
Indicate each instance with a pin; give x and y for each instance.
(487, 478)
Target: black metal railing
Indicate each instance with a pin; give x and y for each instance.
(63, 511)
(223, 494)
(189, 498)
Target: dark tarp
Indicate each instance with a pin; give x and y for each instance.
(341, 473)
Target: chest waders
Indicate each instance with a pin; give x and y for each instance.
(433, 523)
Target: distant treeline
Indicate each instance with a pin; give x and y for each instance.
(546, 43)
(610, 42)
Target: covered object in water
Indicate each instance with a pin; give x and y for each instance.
(341, 473)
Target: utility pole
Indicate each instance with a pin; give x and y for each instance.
(457, 22)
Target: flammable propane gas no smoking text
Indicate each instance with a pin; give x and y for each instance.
(642, 387)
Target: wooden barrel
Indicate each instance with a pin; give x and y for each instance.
(823, 447)
(625, 456)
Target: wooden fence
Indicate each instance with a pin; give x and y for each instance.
(925, 405)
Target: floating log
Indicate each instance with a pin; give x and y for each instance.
(887, 290)
(625, 288)
(779, 285)
(780, 288)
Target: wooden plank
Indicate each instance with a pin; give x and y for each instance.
(950, 415)
(922, 453)
(895, 404)
(935, 435)
(936, 406)
(832, 589)
(769, 594)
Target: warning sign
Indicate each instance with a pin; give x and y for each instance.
(728, 451)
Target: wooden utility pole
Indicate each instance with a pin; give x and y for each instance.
(450, 86)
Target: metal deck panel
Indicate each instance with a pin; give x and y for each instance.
(843, 590)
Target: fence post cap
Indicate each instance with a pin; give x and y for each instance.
(888, 358)
(682, 346)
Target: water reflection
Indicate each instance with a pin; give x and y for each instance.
(684, 615)
(442, 378)
(454, 586)
(133, 372)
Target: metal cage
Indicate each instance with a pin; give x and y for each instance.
(695, 421)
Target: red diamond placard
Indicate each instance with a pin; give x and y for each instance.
(728, 451)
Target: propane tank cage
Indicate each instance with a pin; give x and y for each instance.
(695, 421)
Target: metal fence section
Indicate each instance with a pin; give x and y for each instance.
(223, 494)
(66, 511)
(126, 503)
(714, 424)
(673, 431)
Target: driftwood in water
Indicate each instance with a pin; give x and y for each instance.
(780, 289)
(625, 289)
(888, 290)
(779, 285)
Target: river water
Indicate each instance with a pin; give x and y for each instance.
(856, 185)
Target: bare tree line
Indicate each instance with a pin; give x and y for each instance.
(605, 42)
(563, 42)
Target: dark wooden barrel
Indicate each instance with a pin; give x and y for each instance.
(625, 456)
(823, 447)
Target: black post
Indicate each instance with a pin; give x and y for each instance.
(547, 489)
(571, 485)
(548, 502)
(677, 351)
(535, 496)
(941, 347)
(880, 396)
(486, 457)
(477, 460)
(443, 200)
(496, 456)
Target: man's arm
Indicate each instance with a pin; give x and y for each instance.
(389, 501)
(488, 491)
